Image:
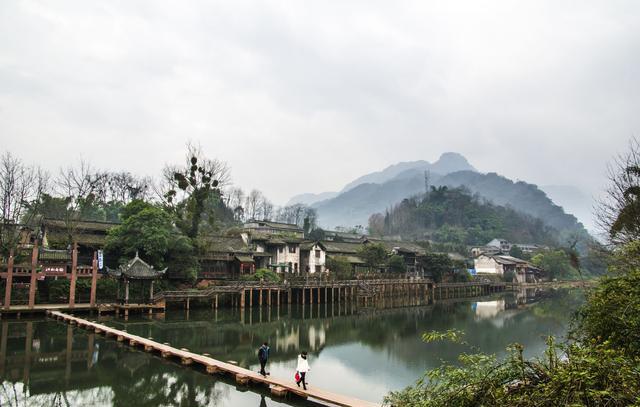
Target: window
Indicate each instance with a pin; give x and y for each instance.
(318, 254)
(292, 249)
(280, 249)
(318, 269)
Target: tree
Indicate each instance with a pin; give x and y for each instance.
(190, 186)
(317, 234)
(252, 204)
(516, 252)
(397, 264)
(557, 263)
(374, 255)
(149, 230)
(340, 267)
(376, 224)
(619, 211)
(21, 187)
(436, 265)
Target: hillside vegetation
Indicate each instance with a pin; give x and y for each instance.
(454, 215)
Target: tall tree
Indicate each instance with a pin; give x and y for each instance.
(21, 186)
(189, 186)
(619, 210)
(374, 255)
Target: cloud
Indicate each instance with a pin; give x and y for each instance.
(306, 96)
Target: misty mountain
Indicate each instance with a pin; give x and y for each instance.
(311, 198)
(355, 204)
(574, 201)
(521, 196)
(447, 163)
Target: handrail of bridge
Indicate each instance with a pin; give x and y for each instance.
(238, 286)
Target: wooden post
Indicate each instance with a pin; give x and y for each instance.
(318, 299)
(242, 299)
(311, 296)
(251, 297)
(126, 291)
(33, 282)
(151, 292)
(260, 298)
(3, 346)
(289, 294)
(9, 282)
(94, 280)
(278, 298)
(72, 286)
(269, 297)
(302, 298)
(216, 301)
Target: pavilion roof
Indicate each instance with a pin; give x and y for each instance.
(136, 269)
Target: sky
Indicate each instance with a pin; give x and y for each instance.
(305, 96)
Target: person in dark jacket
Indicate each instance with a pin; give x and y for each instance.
(263, 357)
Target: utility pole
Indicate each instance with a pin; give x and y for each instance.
(427, 179)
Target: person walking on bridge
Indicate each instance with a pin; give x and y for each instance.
(263, 357)
(302, 369)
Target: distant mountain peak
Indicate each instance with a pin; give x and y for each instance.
(451, 162)
(447, 163)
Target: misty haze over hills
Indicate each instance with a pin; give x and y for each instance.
(375, 192)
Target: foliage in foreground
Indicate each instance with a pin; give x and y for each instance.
(592, 375)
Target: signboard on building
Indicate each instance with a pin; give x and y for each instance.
(100, 259)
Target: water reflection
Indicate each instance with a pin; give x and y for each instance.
(48, 363)
(359, 352)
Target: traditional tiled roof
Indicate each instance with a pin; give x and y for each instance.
(508, 260)
(136, 269)
(244, 259)
(406, 247)
(224, 244)
(307, 245)
(341, 247)
(79, 225)
(350, 259)
(273, 225)
(54, 255)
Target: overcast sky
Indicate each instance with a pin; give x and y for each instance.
(304, 96)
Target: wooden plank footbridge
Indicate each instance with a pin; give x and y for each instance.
(278, 387)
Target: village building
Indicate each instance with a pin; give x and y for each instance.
(313, 257)
(225, 257)
(348, 251)
(521, 270)
(275, 245)
(274, 228)
(497, 246)
(410, 252)
(88, 235)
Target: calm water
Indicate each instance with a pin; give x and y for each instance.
(363, 353)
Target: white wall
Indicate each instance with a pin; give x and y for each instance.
(487, 265)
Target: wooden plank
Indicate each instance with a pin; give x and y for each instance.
(241, 375)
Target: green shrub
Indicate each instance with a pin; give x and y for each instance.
(587, 375)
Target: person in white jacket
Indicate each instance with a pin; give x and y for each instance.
(302, 369)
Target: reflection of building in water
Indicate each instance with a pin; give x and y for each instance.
(288, 339)
(488, 309)
(317, 337)
(43, 365)
(292, 338)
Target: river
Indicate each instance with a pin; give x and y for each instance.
(364, 353)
